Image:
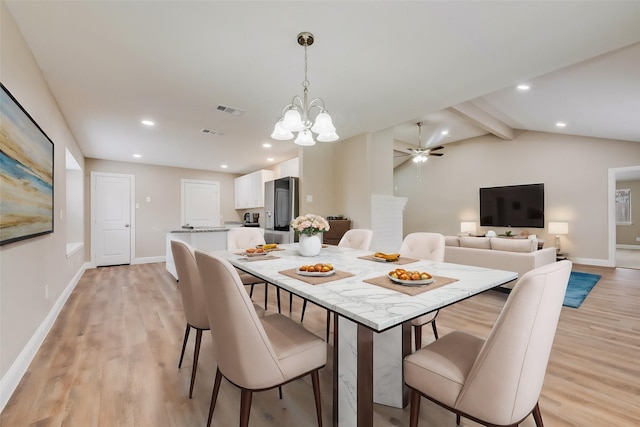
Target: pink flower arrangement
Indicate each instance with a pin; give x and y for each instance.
(310, 224)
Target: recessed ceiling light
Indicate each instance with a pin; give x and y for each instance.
(266, 145)
(270, 159)
(444, 132)
(147, 122)
(561, 124)
(523, 87)
(137, 156)
(224, 166)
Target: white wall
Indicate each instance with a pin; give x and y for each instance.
(162, 185)
(26, 267)
(316, 180)
(574, 170)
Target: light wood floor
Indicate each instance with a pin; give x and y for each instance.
(111, 360)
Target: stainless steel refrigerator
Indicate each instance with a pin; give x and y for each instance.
(281, 207)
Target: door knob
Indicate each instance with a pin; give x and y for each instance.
(126, 225)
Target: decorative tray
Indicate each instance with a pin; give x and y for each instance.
(410, 282)
(316, 273)
(252, 254)
(378, 259)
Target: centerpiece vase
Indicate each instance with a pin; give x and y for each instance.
(310, 245)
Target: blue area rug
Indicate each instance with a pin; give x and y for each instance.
(580, 284)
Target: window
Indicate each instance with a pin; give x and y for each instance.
(74, 205)
(623, 207)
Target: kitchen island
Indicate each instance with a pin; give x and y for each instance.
(205, 238)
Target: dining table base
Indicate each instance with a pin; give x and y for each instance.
(367, 370)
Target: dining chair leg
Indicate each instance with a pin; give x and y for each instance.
(290, 302)
(266, 295)
(414, 413)
(184, 344)
(251, 291)
(435, 330)
(278, 297)
(196, 352)
(328, 324)
(214, 395)
(417, 332)
(537, 415)
(280, 392)
(304, 307)
(315, 380)
(245, 407)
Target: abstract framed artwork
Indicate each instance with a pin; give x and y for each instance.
(26, 174)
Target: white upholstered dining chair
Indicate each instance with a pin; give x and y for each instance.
(192, 301)
(429, 246)
(497, 381)
(357, 238)
(192, 297)
(241, 239)
(254, 353)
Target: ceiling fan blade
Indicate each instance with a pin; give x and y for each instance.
(439, 147)
(435, 154)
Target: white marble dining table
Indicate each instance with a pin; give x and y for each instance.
(372, 332)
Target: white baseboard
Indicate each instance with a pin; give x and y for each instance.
(146, 260)
(634, 247)
(149, 260)
(11, 379)
(594, 262)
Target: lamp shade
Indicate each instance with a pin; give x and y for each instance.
(558, 228)
(292, 121)
(328, 137)
(468, 227)
(323, 124)
(420, 158)
(305, 138)
(281, 133)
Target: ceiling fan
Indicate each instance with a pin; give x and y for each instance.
(420, 154)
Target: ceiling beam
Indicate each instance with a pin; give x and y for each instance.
(483, 119)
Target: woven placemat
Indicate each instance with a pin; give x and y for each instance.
(258, 258)
(316, 280)
(385, 282)
(399, 261)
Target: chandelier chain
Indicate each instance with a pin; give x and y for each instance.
(305, 83)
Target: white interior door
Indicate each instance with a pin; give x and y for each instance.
(112, 224)
(201, 203)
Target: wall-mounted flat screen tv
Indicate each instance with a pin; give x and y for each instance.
(512, 206)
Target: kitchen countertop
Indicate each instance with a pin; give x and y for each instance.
(206, 229)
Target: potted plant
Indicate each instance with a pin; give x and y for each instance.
(310, 228)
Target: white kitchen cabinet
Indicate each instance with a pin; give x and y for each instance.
(249, 189)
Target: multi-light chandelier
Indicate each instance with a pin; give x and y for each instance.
(296, 116)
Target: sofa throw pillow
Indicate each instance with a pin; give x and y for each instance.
(513, 245)
(451, 241)
(475, 242)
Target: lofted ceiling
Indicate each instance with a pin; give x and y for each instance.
(377, 65)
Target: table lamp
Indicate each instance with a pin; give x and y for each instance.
(558, 228)
(467, 227)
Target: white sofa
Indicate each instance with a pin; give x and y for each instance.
(512, 254)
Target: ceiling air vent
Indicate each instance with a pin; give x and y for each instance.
(212, 132)
(230, 110)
